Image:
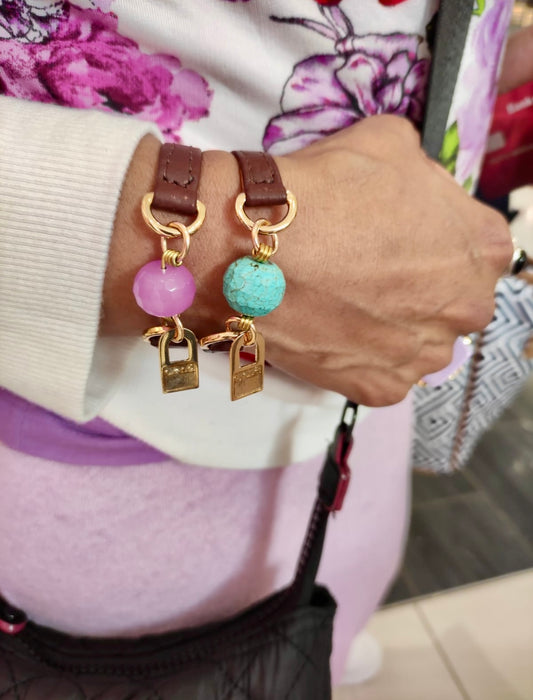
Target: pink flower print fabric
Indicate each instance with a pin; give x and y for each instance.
(29, 21)
(76, 57)
(366, 75)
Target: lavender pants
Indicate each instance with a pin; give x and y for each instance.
(125, 550)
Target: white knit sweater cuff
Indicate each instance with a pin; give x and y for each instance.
(61, 172)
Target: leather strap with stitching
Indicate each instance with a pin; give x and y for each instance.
(260, 178)
(177, 178)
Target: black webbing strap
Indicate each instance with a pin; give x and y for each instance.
(452, 28)
(332, 486)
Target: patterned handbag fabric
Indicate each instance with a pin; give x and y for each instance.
(283, 656)
(450, 419)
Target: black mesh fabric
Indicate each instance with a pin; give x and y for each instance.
(271, 652)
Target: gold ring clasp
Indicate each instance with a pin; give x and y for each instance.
(262, 251)
(242, 325)
(175, 257)
(210, 341)
(173, 323)
(270, 228)
(169, 230)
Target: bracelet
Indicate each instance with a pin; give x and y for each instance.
(253, 286)
(165, 287)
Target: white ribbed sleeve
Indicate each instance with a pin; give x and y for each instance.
(61, 172)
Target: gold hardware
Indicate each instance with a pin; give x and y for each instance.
(169, 230)
(210, 341)
(174, 323)
(181, 374)
(155, 332)
(246, 379)
(266, 228)
(262, 251)
(175, 257)
(242, 324)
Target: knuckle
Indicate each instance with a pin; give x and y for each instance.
(477, 316)
(438, 358)
(496, 240)
(483, 314)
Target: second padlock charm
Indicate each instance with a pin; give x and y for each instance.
(179, 375)
(247, 379)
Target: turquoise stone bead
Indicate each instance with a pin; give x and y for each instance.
(253, 288)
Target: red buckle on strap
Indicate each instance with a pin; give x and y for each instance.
(342, 453)
(10, 628)
(12, 620)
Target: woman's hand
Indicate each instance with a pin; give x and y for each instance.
(387, 262)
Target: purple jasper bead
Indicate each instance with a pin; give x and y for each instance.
(163, 292)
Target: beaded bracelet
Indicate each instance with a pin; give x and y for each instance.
(165, 287)
(253, 286)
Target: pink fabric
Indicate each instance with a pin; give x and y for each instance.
(145, 548)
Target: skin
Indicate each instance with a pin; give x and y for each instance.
(387, 262)
(415, 260)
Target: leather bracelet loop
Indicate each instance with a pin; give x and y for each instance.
(260, 178)
(177, 179)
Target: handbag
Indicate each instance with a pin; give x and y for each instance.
(451, 418)
(278, 649)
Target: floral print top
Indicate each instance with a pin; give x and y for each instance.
(251, 73)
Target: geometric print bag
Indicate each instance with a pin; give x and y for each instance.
(451, 418)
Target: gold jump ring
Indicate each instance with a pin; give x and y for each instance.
(169, 230)
(271, 228)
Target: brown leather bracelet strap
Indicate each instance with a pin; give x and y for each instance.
(178, 175)
(261, 180)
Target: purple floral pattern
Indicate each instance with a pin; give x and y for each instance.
(60, 53)
(366, 75)
(489, 31)
(29, 20)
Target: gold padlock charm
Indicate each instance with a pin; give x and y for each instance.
(181, 374)
(246, 379)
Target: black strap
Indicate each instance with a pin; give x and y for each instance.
(453, 20)
(332, 486)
